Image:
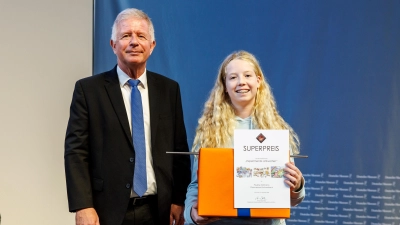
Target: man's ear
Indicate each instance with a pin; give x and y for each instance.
(112, 44)
(153, 45)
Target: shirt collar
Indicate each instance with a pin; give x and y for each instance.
(123, 78)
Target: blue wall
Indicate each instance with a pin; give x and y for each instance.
(334, 67)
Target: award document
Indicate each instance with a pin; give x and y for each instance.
(259, 160)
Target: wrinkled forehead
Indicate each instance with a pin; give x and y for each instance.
(141, 24)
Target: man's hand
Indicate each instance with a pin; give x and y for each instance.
(87, 216)
(176, 215)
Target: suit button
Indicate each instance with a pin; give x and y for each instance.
(128, 185)
(131, 159)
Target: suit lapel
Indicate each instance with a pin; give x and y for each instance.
(154, 102)
(115, 95)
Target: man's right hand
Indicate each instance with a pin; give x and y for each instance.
(87, 216)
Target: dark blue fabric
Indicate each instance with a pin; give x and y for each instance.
(334, 67)
(243, 212)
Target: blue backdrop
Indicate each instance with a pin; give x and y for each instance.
(334, 67)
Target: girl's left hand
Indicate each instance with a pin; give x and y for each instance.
(293, 176)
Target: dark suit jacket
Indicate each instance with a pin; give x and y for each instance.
(99, 154)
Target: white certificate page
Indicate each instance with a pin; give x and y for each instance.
(259, 159)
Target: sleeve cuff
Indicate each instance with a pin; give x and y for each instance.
(298, 195)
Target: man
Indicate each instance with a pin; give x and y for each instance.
(101, 147)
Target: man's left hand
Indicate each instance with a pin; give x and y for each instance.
(176, 215)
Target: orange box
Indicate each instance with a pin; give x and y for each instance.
(215, 179)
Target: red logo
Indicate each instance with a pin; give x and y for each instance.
(261, 138)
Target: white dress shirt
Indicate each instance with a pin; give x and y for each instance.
(144, 92)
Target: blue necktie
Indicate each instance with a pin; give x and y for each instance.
(139, 177)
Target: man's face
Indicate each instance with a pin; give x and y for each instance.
(133, 44)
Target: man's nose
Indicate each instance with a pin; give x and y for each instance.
(133, 41)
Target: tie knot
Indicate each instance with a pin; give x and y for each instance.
(133, 83)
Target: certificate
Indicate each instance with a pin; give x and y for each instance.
(259, 160)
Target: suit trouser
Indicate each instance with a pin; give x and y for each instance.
(142, 211)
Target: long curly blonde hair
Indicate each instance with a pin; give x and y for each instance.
(216, 125)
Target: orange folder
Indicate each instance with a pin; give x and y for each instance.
(215, 179)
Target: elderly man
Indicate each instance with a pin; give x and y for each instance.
(122, 122)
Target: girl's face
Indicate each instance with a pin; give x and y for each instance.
(241, 83)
